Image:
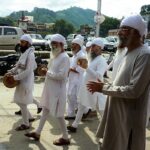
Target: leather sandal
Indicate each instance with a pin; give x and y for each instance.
(33, 135)
(61, 142)
(22, 127)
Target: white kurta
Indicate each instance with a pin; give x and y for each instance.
(117, 61)
(23, 92)
(75, 78)
(54, 92)
(95, 71)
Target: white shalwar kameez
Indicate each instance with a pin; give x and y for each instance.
(53, 98)
(74, 83)
(95, 71)
(24, 71)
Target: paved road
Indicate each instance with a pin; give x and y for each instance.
(84, 139)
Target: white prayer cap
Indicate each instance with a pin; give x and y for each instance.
(88, 44)
(136, 22)
(58, 38)
(79, 36)
(78, 41)
(98, 42)
(26, 37)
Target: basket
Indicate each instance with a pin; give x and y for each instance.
(9, 81)
(82, 62)
(42, 70)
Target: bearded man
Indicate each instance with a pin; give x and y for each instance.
(95, 71)
(53, 98)
(124, 120)
(24, 72)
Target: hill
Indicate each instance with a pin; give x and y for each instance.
(75, 15)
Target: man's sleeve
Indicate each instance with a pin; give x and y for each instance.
(139, 81)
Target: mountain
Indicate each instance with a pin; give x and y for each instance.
(75, 15)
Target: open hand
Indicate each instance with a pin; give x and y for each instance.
(93, 86)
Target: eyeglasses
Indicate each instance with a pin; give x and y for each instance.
(125, 29)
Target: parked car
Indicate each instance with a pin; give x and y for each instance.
(10, 37)
(47, 39)
(38, 42)
(107, 45)
(113, 40)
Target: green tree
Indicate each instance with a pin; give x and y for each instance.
(145, 10)
(7, 21)
(109, 23)
(63, 27)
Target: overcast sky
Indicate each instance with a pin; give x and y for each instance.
(112, 8)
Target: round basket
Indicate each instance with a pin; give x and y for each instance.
(42, 70)
(82, 62)
(9, 81)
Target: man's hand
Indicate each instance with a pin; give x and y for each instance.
(73, 70)
(93, 86)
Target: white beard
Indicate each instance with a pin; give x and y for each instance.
(56, 52)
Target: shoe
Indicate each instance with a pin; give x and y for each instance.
(61, 142)
(33, 135)
(31, 119)
(22, 127)
(72, 129)
(86, 115)
(39, 110)
(18, 112)
(69, 118)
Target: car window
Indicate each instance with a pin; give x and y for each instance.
(10, 31)
(0, 31)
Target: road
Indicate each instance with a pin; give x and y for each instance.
(84, 139)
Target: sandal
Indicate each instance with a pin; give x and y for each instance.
(33, 135)
(61, 142)
(22, 127)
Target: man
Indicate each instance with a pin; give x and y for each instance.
(94, 72)
(75, 78)
(24, 72)
(53, 97)
(124, 120)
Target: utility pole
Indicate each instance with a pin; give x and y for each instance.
(97, 17)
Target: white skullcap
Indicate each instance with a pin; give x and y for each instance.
(78, 41)
(58, 38)
(88, 44)
(80, 37)
(136, 22)
(26, 37)
(98, 42)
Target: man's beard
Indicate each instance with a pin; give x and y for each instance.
(92, 55)
(23, 48)
(56, 51)
(123, 41)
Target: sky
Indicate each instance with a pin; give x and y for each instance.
(111, 8)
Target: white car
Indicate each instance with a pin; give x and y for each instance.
(10, 37)
(38, 42)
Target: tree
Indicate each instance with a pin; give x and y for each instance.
(7, 21)
(63, 27)
(109, 23)
(145, 10)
